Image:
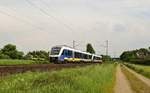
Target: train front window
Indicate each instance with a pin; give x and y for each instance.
(55, 50)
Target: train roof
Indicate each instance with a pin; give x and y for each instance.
(76, 50)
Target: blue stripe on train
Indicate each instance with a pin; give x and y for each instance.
(61, 58)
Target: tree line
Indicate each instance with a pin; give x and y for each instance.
(10, 51)
(141, 55)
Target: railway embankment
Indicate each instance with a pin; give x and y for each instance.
(11, 69)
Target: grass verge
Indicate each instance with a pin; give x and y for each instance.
(136, 84)
(142, 69)
(14, 62)
(89, 79)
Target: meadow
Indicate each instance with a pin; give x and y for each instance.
(14, 62)
(142, 69)
(88, 79)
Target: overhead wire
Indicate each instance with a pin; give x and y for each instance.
(19, 19)
(52, 8)
(25, 17)
(48, 14)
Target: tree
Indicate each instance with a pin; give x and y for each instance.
(135, 55)
(19, 55)
(37, 55)
(90, 49)
(128, 55)
(142, 53)
(10, 51)
(3, 56)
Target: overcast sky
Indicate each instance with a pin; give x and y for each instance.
(41, 24)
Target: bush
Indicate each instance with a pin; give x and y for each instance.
(138, 69)
(37, 55)
(3, 56)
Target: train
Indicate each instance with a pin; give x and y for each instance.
(66, 54)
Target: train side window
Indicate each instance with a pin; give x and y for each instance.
(69, 53)
(65, 52)
(84, 56)
(90, 57)
(80, 55)
(94, 58)
(75, 54)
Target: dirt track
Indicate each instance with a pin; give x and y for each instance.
(122, 84)
(10, 69)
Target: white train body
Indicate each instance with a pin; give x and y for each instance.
(63, 54)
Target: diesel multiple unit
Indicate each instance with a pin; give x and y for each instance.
(65, 54)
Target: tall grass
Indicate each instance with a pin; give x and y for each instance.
(90, 79)
(142, 69)
(10, 62)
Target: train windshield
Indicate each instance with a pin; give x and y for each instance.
(55, 50)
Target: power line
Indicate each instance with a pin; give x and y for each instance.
(50, 7)
(19, 19)
(106, 46)
(48, 14)
(74, 44)
(26, 17)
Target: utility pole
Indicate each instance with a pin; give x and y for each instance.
(73, 54)
(73, 44)
(114, 54)
(106, 47)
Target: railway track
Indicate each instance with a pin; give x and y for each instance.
(11, 69)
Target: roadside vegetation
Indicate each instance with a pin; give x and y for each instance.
(142, 69)
(22, 61)
(89, 79)
(136, 84)
(14, 62)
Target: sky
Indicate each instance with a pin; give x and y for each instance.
(42, 24)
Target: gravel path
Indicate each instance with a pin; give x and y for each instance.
(122, 84)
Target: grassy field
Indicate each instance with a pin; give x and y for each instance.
(10, 62)
(142, 69)
(89, 79)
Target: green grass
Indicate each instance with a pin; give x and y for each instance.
(142, 69)
(145, 67)
(89, 79)
(10, 62)
(136, 84)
